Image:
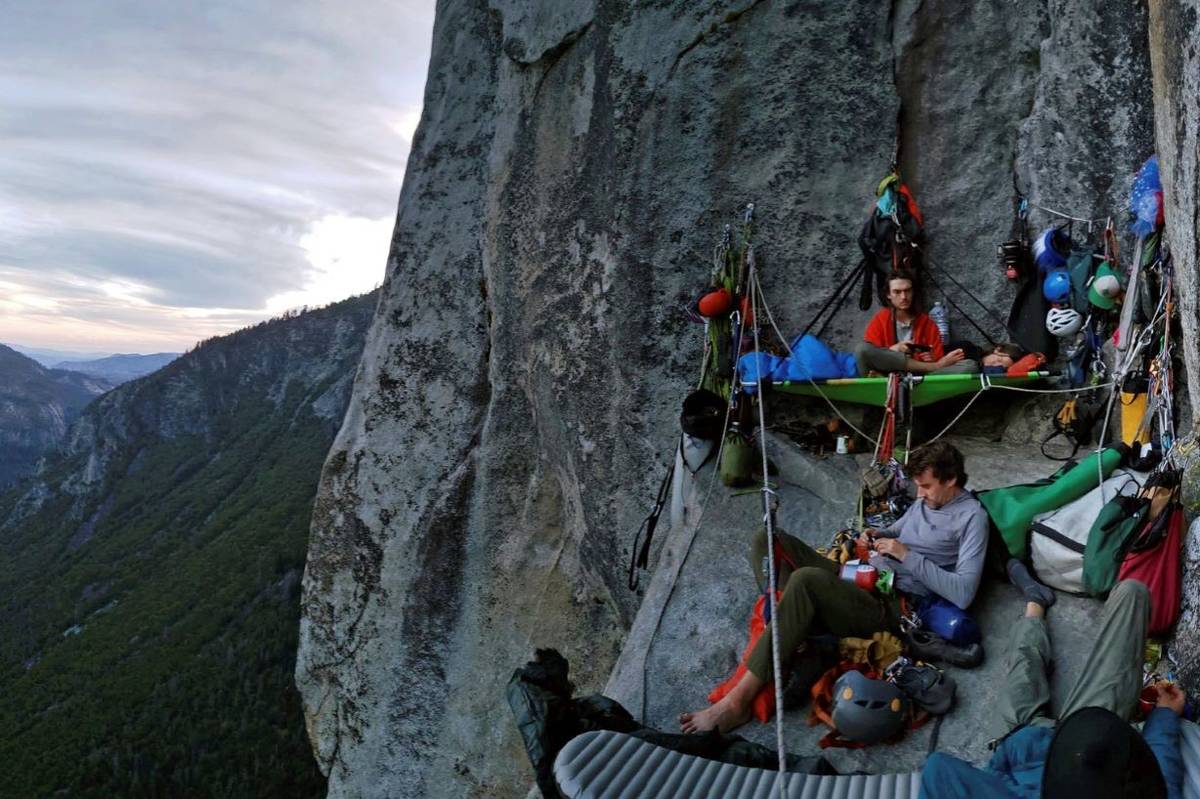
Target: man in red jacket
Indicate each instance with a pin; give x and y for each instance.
(901, 339)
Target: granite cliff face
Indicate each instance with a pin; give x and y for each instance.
(520, 384)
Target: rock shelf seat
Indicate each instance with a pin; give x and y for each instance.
(692, 625)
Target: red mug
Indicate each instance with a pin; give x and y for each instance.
(1148, 700)
(861, 551)
(865, 577)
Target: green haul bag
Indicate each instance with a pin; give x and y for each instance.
(736, 459)
(1012, 508)
(1108, 540)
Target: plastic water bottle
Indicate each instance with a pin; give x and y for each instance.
(938, 314)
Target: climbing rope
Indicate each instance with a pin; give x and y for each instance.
(769, 520)
(1063, 215)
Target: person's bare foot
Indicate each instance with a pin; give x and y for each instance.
(723, 716)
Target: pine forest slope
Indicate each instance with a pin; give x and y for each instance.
(149, 578)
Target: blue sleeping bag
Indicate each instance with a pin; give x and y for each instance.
(811, 359)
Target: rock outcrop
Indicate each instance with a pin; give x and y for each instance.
(519, 389)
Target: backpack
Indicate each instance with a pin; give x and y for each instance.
(889, 238)
(1059, 538)
(1075, 421)
(1108, 540)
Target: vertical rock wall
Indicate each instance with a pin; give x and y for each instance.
(1174, 44)
(519, 389)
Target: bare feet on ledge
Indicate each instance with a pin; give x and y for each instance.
(723, 716)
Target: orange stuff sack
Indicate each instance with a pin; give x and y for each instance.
(764, 702)
(1027, 364)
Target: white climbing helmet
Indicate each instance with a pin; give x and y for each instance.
(1064, 322)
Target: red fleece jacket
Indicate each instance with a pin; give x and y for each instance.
(881, 331)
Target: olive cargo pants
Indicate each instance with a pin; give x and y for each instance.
(815, 600)
(1112, 676)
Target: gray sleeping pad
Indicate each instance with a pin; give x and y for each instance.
(608, 765)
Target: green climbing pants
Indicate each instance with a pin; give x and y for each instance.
(815, 600)
(880, 359)
(1112, 675)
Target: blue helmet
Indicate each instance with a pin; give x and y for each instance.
(1057, 286)
(944, 619)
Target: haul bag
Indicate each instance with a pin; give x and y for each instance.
(1160, 567)
(1059, 538)
(1012, 509)
(1119, 521)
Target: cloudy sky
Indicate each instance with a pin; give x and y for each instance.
(172, 171)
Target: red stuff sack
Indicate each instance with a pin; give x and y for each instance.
(1159, 565)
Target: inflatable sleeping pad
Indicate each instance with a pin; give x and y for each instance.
(608, 765)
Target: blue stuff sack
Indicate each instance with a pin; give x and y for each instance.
(748, 368)
(947, 620)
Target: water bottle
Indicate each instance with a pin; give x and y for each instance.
(938, 314)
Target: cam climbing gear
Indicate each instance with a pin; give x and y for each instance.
(1014, 254)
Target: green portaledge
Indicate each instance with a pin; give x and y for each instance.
(926, 389)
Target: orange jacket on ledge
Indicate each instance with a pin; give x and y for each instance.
(881, 331)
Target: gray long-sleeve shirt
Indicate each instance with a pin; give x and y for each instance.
(946, 549)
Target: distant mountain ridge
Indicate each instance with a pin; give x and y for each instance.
(49, 357)
(122, 368)
(149, 574)
(37, 406)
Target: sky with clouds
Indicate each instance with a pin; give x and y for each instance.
(173, 171)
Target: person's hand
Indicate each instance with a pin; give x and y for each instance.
(1170, 695)
(892, 547)
(950, 358)
(901, 346)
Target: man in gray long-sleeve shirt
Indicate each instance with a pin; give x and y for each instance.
(936, 547)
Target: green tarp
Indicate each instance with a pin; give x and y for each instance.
(926, 389)
(1012, 508)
